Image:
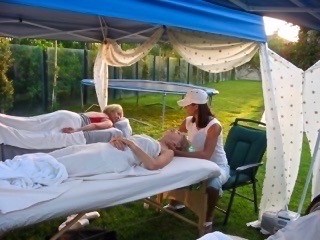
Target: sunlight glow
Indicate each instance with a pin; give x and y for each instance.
(284, 29)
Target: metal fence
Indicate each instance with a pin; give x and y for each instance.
(34, 68)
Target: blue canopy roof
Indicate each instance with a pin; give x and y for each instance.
(126, 20)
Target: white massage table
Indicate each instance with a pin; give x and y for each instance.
(91, 195)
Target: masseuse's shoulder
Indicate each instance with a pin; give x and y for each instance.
(213, 121)
(188, 119)
(215, 126)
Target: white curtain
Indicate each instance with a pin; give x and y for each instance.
(211, 52)
(110, 53)
(311, 109)
(282, 89)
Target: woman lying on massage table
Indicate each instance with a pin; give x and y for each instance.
(66, 121)
(116, 156)
(120, 154)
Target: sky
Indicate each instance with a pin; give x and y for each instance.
(285, 30)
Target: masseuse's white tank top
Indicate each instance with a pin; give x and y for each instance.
(197, 138)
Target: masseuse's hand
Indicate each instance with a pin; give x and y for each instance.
(171, 146)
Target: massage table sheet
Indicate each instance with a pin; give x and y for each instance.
(97, 193)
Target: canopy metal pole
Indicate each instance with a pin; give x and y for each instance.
(163, 107)
(55, 75)
(306, 185)
(44, 74)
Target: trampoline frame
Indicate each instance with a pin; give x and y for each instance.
(149, 86)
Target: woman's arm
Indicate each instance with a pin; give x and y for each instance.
(209, 145)
(92, 126)
(149, 162)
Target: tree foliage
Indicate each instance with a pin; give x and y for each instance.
(70, 64)
(303, 53)
(26, 73)
(43, 43)
(6, 88)
(306, 51)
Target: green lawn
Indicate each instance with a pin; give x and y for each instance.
(132, 221)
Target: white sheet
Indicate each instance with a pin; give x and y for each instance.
(17, 199)
(39, 140)
(51, 122)
(10, 203)
(96, 194)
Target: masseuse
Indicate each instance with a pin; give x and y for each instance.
(205, 135)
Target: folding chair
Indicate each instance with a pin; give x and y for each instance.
(245, 147)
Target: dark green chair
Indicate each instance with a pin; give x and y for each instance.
(244, 147)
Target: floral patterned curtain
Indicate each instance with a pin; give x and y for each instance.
(282, 89)
(311, 111)
(211, 52)
(110, 53)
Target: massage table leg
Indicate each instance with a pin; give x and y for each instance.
(67, 227)
(195, 200)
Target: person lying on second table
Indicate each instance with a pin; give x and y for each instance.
(44, 131)
(66, 121)
(99, 120)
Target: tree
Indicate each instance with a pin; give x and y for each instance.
(6, 88)
(33, 42)
(277, 43)
(306, 51)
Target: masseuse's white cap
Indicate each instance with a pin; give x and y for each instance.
(197, 96)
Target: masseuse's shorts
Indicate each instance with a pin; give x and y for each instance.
(217, 182)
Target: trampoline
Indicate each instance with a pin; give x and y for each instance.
(150, 86)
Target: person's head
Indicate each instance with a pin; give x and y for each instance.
(195, 104)
(114, 112)
(176, 139)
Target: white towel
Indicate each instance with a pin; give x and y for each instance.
(24, 177)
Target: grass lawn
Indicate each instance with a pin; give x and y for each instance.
(132, 221)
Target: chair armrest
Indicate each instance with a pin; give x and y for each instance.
(245, 167)
(248, 120)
